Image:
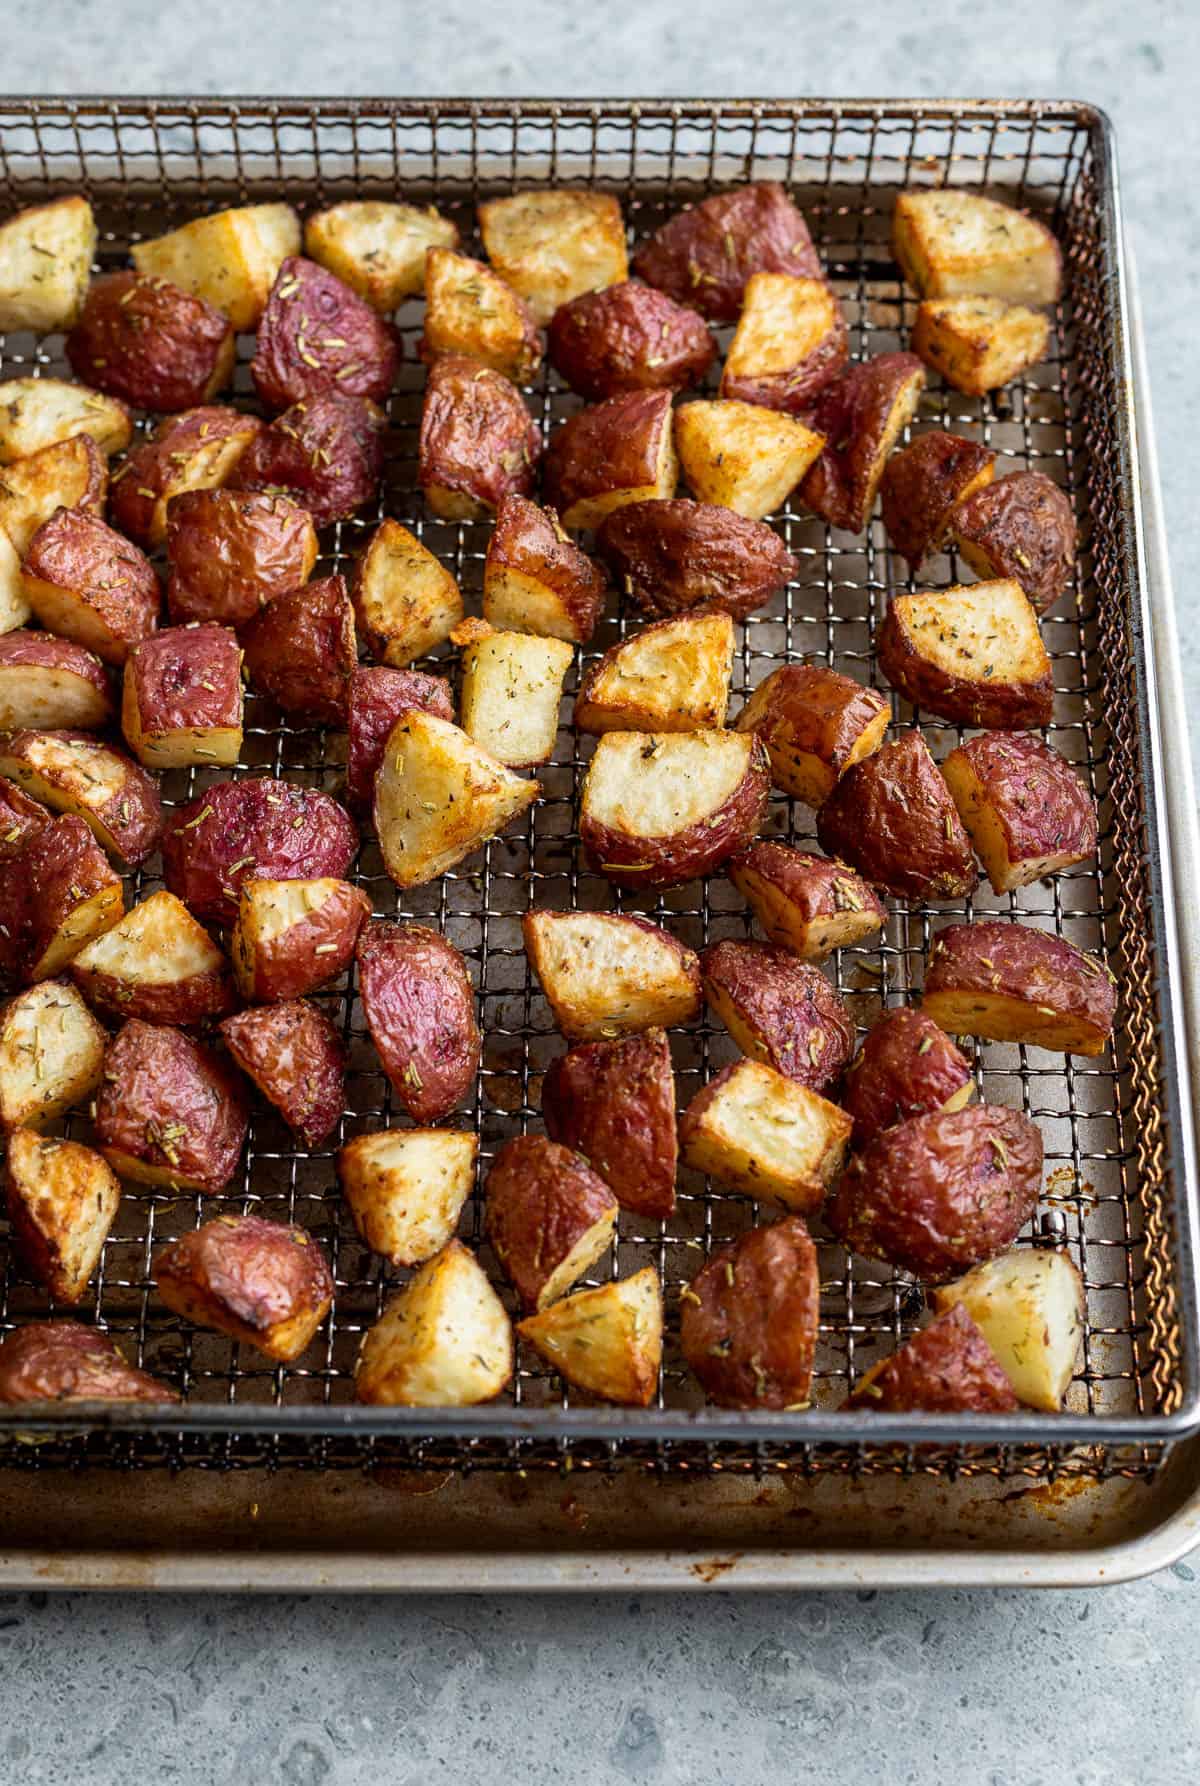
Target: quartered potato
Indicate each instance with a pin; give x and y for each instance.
(57, 891)
(295, 1055)
(607, 1342)
(805, 902)
(230, 552)
(405, 600)
(1029, 1306)
(748, 1324)
(64, 1361)
(470, 310)
(48, 684)
(672, 676)
(945, 1368)
(151, 344)
(1028, 812)
(779, 1010)
(158, 964)
(42, 412)
(861, 414)
(68, 474)
(979, 344)
(169, 1111)
(816, 724)
(182, 701)
(51, 1055)
(198, 450)
(952, 243)
(972, 654)
(62, 1199)
(628, 337)
(291, 937)
(46, 254)
(512, 686)
(325, 453)
(301, 650)
(263, 1283)
(612, 453)
(406, 1188)
(892, 818)
(443, 1341)
(549, 1217)
(229, 258)
(765, 1134)
(72, 772)
(85, 582)
(535, 579)
(1020, 529)
(606, 974)
(906, 1067)
(419, 1005)
(673, 556)
(378, 698)
(705, 255)
(790, 340)
(552, 245)
(1008, 982)
(377, 247)
(478, 441)
(922, 486)
(316, 336)
(614, 1102)
(742, 456)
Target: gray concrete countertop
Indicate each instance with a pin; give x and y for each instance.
(999, 1688)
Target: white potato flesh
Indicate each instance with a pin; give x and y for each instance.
(742, 456)
(979, 344)
(158, 943)
(963, 630)
(606, 975)
(56, 476)
(377, 248)
(229, 258)
(671, 677)
(951, 242)
(14, 609)
(783, 320)
(67, 1197)
(46, 255)
(469, 310)
(684, 780)
(40, 412)
(769, 1136)
(1029, 1306)
(406, 1189)
(443, 1341)
(608, 1341)
(551, 246)
(511, 693)
(51, 1054)
(405, 600)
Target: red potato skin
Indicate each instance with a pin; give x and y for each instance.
(150, 344)
(378, 697)
(810, 710)
(852, 412)
(940, 1193)
(134, 816)
(946, 1368)
(1020, 527)
(477, 437)
(25, 650)
(805, 1031)
(1042, 805)
(525, 539)
(675, 555)
(185, 1003)
(20, 818)
(64, 1361)
(813, 885)
(614, 445)
(921, 487)
(75, 549)
(151, 468)
(1016, 961)
(259, 826)
(325, 453)
(230, 553)
(301, 649)
(703, 256)
(794, 390)
(628, 337)
(891, 817)
(172, 1104)
(419, 1005)
(541, 1200)
(296, 1058)
(965, 700)
(248, 1276)
(748, 1326)
(317, 336)
(614, 1102)
(187, 676)
(290, 966)
(906, 1067)
(54, 867)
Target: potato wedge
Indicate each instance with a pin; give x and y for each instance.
(64, 1361)
(46, 254)
(706, 253)
(554, 244)
(779, 1010)
(861, 414)
(512, 686)
(85, 582)
(945, 1368)
(57, 891)
(151, 344)
(922, 486)
(628, 337)
(478, 442)
(1029, 1306)
(47, 683)
(181, 705)
(228, 258)
(608, 1341)
(672, 676)
(611, 454)
(470, 310)
(972, 654)
(891, 817)
(405, 600)
(952, 243)
(294, 1054)
(51, 1055)
(293, 936)
(62, 1199)
(168, 1111)
(325, 453)
(605, 974)
(741, 456)
(71, 474)
(815, 724)
(263, 1283)
(549, 1217)
(443, 1341)
(979, 344)
(406, 1189)
(301, 650)
(260, 828)
(378, 698)
(1008, 982)
(760, 1132)
(230, 552)
(790, 340)
(673, 556)
(419, 1005)
(73, 772)
(158, 964)
(805, 902)
(614, 1102)
(198, 450)
(1028, 812)
(535, 579)
(1021, 528)
(748, 1327)
(316, 336)
(14, 609)
(906, 1067)
(378, 248)
(42, 412)
(20, 819)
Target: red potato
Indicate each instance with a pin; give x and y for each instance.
(554, 243)
(46, 254)
(63, 1361)
(318, 337)
(254, 829)
(922, 487)
(748, 1327)
(73, 773)
(945, 1368)
(470, 310)
(151, 344)
(20, 817)
(614, 1102)
(295, 1056)
(805, 902)
(535, 579)
(14, 609)
(42, 412)
(478, 441)
(950, 242)
(940, 1192)
(862, 414)
(779, 1010)
(608, 1341)
(230, 553)
(906, 1067)
(182, 700)
(84, 582)
(790, 340)
(605, 974)
(169, 1112)
(71, 474)
(815, 724)
(610, 454)
(48, 683)
(1026, 808)
(628, 337)
(293, 936)
(301, 649)
(973, 655)
(57, 891)
(891, 817)
(263, 1283)
(378, 247)
(704, 255)
(405, 600)
(549, 1217)
(406, 1188)
(1008, 982)
(158, 964)
(672, 676)
(1030, 1306)
(62, 1199)
(325, 453)
(673, 556)
(230, 258)
(511, 691)
(419, 1005)
(765, 1134)
(377, 698)
(444, 1340)
(743, 456)
(979, 344)
(197, 450)
(1021, 528)
(51, 1055)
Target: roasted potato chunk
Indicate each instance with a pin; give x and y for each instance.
(182, 700)
(614, 1102)
(61, 1199)
(301, 649)
(295, 1056)
(293, 936)
(940, 1192)
(229, 258)
(443, 1341)
(945, 1368)
(14, 609)
(628, 337)
(326, 453)
(673, 556)
(72, 772)
(478, 442)
(779, 1010)
(406, 1189)
(673, 676)
(439, 797)
(549, 1217)
(512, 686)
(551, 246)
(755, 1129)
(48, 683)
(1027, 811)
(790, 340)
(922, 486)
(63, 1361)
(71, 474)
(979, 344)
(51, 1055)
(660, 808)
(263, 1283)
(20, 819)
(972, 654)
(805, 902)
(741, 456)
(861, 414)
(951, 243)
(419, 1005)
(536, 580)
(197, 450)
(405, 600)
(151, 344)
(606, 975)
(46, 254)
(815, 724)
(168, 1111)
(704, 255)
(891, 817)
(610, 454)
(259, 828)
(1008, 982)
(469, 310)
(56, 892)
(1029, 1306)
(378, 248)
(230, 552)
(318, 336)
(1020, 528)
(749, 1323)
(84, 582)
(607, 1342)
(906, 1067)
(157, 964)
(42, 412)
(378, 698)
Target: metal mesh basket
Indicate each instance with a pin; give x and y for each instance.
(1117, 1146)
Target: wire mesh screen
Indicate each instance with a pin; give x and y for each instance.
(1112, 1186)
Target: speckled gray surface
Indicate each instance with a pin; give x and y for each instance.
(1005, 1689)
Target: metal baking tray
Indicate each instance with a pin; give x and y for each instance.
(1119, 1137)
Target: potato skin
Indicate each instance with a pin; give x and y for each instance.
(377, 697)
(607, 447)
(614, 1102)
(815, 723)
(64, 1361)
(957, 694)
(68, 765)
(1020, 527)
(76, 550)
(779, 1010)
(478, 441)
(317, 336)
(85, 702)
(748, 1327)
(325, 452)
(51, 874)
(530, 544)
(1015, 961)
(302, 651)
(20, 818)
(259, 826)
(678, 554)
(542, 1199)
(892, 818)
(857, 412)
(419, 1005)
(628, 337)
(940, 1192)
(170, 1107)
(262, 1282)
(922, 485)
(231, 552)
(151, 344)
(1042, 810)
(304, 955)
(182, 679)
(157, 933)
(821, 897)
(906, 1067)
(946, 1368)
(704, 255)
(193, 451)
(295, 1056)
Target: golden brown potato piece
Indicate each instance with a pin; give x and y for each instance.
(71, 474)
(293, 936)
(673, 556)
(972, 654)
(1008, 982)
(607, 1342)
(378, 698)
(14, 609)
(1029, 1306)
(779, 1010)
(301, 650)
(230, 552)
(861, 414)
(73, 772)
(443, 1341)
(749, 1323)
(660, 808)
(169, 1112)
(1021, 528)
(952, 243)
(614, 1102)
(940, 1192)
(605, 974)
(42, 412)
(552, 245)
(765, 1134)
(377, 247)
(198, 450)
(610, 454)
(945, 1368)
(56, 892)
(229, 258)
(62, 1199)
(419, 1006)
(790, 340)
(151, 344)
(406, 1189)
(182, 701)
(316, 336)
(979, 344)
(48, 683)
(158, 964)
(549, 1217)
(892, 818)
(51, 1055)
(46, 254)
(906, 1067)
(63, 1361)
(628, 337)
(478, 441)
(535, 579)
(469, 310)
(815, 724)
(704, 255)
(512, 686)
(263, 1283)
(326, 453)
(922, 486)
(295, 1056)
(805, 902)
(1028, 812)
(84, 582)
(672, 676)
(741, 456)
